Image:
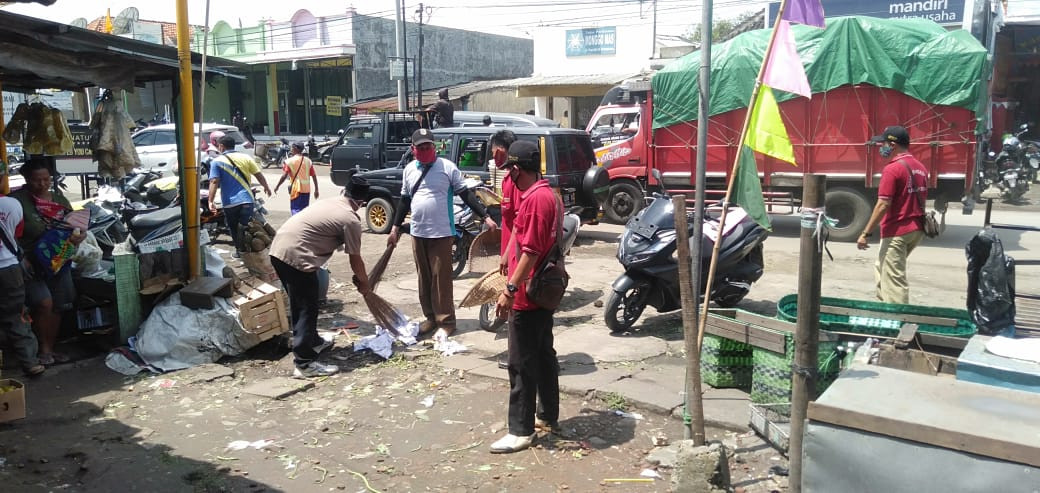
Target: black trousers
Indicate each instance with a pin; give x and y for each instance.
(534, 371)
(303, 309)
(237, 217)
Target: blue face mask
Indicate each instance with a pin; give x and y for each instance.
(885, 151)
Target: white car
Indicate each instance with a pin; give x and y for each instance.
(157, 145)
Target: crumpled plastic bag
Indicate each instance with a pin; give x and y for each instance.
(991, 283)
(110, 141)
(87, 259)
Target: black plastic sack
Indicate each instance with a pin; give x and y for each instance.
(991, 283)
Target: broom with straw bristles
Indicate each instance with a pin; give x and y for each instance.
(376, 274)
(386, 315)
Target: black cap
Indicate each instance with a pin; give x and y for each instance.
(422, 136)
(357, 188)
(894, 134)
(299, 145)
(524, 155)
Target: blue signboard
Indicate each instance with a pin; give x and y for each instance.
(943, 12)
(591, 41)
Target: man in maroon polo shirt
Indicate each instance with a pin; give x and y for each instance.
(533, 368)
(901, 193)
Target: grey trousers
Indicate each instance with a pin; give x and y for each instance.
(14, 331)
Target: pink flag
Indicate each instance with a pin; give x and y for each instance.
(784, 69)
(808, 12)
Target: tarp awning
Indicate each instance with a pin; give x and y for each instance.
(37, 53)
(914, 56)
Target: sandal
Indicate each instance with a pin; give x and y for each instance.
(35, 370)
(50, 359)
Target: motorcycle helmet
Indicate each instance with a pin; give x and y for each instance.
(214, 138)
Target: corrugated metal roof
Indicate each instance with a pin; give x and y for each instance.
(573, 80)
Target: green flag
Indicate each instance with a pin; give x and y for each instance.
(747, 189)
(766, 132)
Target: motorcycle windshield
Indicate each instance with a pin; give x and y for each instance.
(657, 216)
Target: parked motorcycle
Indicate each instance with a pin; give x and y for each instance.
(273, 154)
(651, 278)
(468, 225)
(1012, 166)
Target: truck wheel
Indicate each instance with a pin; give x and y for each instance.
(624, 200)
(379, 215)
(852, 211)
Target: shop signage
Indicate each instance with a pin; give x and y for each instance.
(944, 12)
(591, 41)
(397, 68)
(331, 63)
(334, 105)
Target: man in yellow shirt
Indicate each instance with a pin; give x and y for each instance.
(300, 172)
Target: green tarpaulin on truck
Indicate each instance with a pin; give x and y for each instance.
(914, 56)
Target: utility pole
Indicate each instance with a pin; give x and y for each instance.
(807, 330)
(404, 52)
(418, 70)
(653, 44)
(402, 102)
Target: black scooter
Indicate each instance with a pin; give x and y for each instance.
(651, 276)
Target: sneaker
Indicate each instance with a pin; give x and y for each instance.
(511, 443)
(315, 369)
(323, 346)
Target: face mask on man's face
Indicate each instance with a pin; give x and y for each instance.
(885, 151)
(425, 154)
(500, 156)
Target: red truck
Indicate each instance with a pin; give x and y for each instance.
(829, 132)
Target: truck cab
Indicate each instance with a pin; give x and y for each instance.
(619, 130)
(371, 143)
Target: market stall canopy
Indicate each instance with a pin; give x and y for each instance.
(37, 53)
(914, 56)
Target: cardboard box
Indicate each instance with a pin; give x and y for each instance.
(12, 402)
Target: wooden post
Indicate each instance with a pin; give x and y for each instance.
(807, 330)
(688, 295)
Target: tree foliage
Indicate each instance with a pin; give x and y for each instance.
(722, 29)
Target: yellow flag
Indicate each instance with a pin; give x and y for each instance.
(766, 132)
(108, 21)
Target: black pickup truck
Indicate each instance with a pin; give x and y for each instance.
(372, 142)
(569, 163)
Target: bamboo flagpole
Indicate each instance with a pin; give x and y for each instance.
(732, 179)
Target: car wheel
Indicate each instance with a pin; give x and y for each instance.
(852, 211)
(624, 200)
(379, 215)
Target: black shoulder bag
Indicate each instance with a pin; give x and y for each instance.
(548, 284)
(932, 227)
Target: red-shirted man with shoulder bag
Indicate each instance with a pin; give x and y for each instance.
(900, 211)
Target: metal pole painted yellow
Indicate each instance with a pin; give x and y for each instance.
(188, 168)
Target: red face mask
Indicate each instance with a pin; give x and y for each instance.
(425, 154)
(500, 156)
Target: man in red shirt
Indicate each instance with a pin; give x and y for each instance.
(533, 368)
(900, 210)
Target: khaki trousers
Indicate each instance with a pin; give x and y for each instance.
(433, 263)
(890, 267)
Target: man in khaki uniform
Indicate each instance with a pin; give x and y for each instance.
(302, 245)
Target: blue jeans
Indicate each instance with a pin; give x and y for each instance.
(237, 218)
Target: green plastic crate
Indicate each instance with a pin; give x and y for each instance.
(886, 323)
(771, 379)
(726, 363)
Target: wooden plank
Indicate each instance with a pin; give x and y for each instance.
(937, 340)
(931, 435)
(906, 335)
(745, 332)
(261, 316)
(902, 317)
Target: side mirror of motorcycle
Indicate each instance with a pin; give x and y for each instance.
(656, 174)
(1025, 126)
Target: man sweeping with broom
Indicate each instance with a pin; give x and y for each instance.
(303, 244)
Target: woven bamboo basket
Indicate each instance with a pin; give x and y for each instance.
(485, 251)
(485, 290)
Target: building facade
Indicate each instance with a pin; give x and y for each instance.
(306, 71)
